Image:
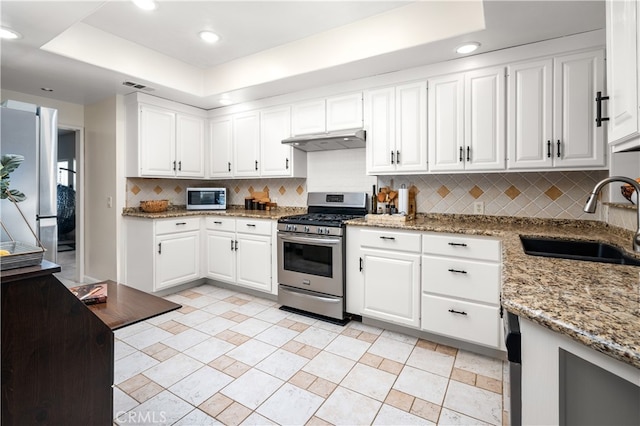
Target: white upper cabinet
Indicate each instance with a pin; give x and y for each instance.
(163, 141)
(278, 159)
(157, 139)
(577, 79)
(446, 114)
(622, 74)
(396, 125)
(190, 145)
(246, 144)
(466, 121)
(551, 113)
(221, 149)
(326, 115)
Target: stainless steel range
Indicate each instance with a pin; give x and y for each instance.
(311, 253)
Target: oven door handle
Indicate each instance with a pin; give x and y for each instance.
(331, 241)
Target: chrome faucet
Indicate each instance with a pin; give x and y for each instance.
(592, 201)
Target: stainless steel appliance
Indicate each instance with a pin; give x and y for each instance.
(206, 198)
(311, 253)
(512, 339)
(32, 132)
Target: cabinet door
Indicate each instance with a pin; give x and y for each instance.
(275, 125)
(484, 118)
(221, 258)
(254, 261)
(344, 112)
(529, 115)
(220, 150)
(446, 133)
(577, 79)
(246, 144)
(190, 146)
(177, 259)
(622, 69)
(411, 127)
(380, 126)
(157, 141)
(308, 117)
(392, 286)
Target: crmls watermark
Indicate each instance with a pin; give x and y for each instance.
(133, 417)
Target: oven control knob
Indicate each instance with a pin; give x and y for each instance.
(327, 231)
(295, 228)
(320, 230)
(306, 229)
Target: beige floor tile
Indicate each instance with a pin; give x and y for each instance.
(168, 325)
(222, 362)
(134, 383)
(186, 309)
(238, 339)
(225, 335)
(237, 369)
(426, 410)
(426, 344)
(155, 348)
(489, 384)
(286, 323)
(216, 404)
(229, 315)
(389, 366)
(236, 300)
(299, 326)
(463, 376)
(371, 360)
(292, 346)
(239, 318)
(367, 337)
(179, 328)
(146, 392)
(400, 400)
(165, 354)
(351, 332)
(322, 387)
(234, 414)
(505, 418)
(302, 379)
(317, 421)
(447, 350)
(308, 352)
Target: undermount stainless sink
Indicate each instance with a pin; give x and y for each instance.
(577, 250)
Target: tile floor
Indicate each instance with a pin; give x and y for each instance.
(67, 262)
(230, 358)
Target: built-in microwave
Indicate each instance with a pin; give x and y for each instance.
(206, 198)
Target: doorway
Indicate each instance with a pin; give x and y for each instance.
(69, 203)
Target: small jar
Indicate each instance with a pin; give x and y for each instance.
(248, 203)
(254, 204)
(262, 205)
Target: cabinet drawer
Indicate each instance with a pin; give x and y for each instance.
(391, 240)
(467, 279)
(178, 224)
(469, 321)
(462, 246)
(221, 224)
(253, 226)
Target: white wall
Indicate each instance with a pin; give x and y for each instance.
(343, 170)
(68, 114)
(101, 221)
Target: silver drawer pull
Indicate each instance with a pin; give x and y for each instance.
(458, 271)
(458, 244)
(387, 238)
(453, 311)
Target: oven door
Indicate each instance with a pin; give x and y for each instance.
(311, 262)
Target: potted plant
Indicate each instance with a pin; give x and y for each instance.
(8, 163)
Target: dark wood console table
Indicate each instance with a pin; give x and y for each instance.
(57, 352)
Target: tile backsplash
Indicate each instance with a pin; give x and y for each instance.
(539, 194)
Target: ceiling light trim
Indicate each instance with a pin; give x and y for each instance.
(467, 48)
(7, 33)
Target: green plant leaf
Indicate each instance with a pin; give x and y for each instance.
(17, 195)
(10, 162)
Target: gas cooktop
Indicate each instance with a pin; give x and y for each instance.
(319, 219)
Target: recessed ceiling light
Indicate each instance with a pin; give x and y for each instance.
(46, 89)
(145, 4)
(9, 34)
(467, 48)
(208, 36)
(225, 101)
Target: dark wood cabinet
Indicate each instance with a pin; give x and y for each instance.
(57, 356)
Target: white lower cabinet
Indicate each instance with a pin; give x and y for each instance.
(391, 273)
(461, 278)
(239, 252)
(161, 253)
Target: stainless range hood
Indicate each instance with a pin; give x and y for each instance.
(342, 139)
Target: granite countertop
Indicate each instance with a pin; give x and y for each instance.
(597, 304)
(231, 211)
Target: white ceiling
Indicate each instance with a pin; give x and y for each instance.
(100, 44)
